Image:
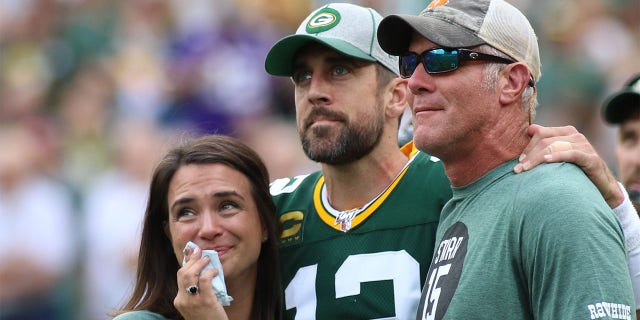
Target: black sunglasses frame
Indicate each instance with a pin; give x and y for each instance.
(461, 54)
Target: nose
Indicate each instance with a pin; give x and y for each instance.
(210, 227)
(318, 93)
(420, 81)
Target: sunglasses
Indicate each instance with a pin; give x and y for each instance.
(439, 60)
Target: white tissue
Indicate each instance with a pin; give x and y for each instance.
(219, 287)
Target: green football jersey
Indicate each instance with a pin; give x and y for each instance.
(368, 263)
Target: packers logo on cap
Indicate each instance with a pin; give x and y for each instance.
(324, 20)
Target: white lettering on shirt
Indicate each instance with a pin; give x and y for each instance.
(609, 310)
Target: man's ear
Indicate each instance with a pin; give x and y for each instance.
(515, 78)
(398, 91)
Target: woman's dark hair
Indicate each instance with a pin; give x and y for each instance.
(157, 262)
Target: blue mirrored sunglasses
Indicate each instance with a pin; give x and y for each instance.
(439, 60)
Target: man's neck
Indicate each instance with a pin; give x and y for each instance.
(353, 185)
(481, 155)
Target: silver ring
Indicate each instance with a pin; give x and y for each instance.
(193, 290)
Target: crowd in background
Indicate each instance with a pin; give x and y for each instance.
(93, 91)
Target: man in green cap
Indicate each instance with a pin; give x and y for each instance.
(356, 237)
(354, 241)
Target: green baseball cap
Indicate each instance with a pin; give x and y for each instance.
(347, 28)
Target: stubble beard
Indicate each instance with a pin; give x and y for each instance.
(351, 143)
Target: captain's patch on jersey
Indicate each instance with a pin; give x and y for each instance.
(290, 227)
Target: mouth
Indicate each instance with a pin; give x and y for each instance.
(221, 250)
(422, 106)
(322, 117)
(322, 120)
(425, 111)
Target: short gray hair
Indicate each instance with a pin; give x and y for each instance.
(491, 70)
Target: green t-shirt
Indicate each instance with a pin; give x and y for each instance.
(537, 245)
(373, 269)
(140, 315)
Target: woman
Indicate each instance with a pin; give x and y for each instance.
(213, 191)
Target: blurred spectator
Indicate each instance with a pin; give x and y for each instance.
(217, 68)
(114, 208)
(37, 234)
(590, 49)
(85, 112)
(622, 109)
(25, 78)
(277, 142)
(84, 33)
(141, 38)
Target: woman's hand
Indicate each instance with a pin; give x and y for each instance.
(202, 304)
